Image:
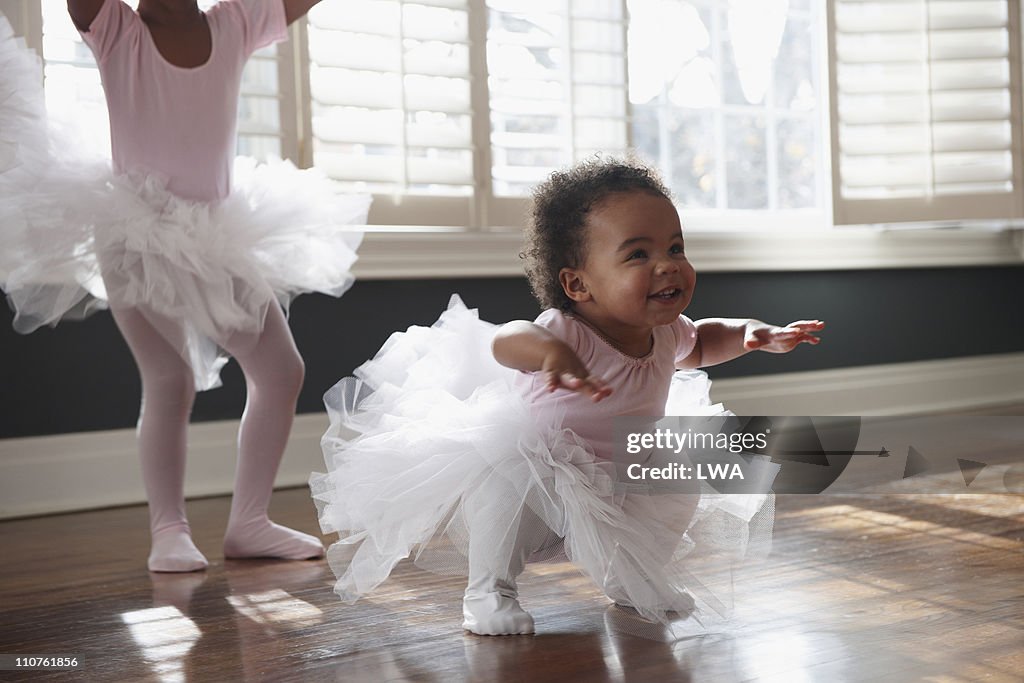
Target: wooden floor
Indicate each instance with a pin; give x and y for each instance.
(866, 588)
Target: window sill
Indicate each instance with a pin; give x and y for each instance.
(411, 253)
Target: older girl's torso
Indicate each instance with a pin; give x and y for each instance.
(187, 46)
(172, 97)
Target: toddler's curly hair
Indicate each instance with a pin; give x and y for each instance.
(556, 234)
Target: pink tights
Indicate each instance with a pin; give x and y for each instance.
(273, 375)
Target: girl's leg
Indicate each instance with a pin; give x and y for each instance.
(500, 542)
(273, 376)
(665, 517)
(168, 391)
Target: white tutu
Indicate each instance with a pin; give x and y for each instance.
(431, 435)
(77, 238)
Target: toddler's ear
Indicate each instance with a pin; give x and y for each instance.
(573, 285)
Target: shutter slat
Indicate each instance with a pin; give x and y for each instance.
(903, 78)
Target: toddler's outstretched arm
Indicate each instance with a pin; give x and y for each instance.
(722, 339)
(522, 345)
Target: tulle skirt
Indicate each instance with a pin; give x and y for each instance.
(77, 238)
(433, 454)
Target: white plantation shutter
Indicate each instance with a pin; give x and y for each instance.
(72, 81)
(557, 81)
(926, 110)
(262, 129)
(391, 96)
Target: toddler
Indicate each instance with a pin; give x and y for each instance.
(477, 463)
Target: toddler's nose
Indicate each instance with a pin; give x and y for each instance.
(666, 265)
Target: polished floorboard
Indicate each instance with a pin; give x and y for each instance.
(858, 588)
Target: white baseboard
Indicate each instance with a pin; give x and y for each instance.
(894, 389)
(49, 474)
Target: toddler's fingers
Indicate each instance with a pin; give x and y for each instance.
(803, 338)
(808, 324)
(552, 380)
(570, 381)
(751, 340)
(565, 380)
(598, 389)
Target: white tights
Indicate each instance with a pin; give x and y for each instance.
(273, 376)
(490, 606)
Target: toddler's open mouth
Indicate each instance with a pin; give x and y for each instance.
(667, 294)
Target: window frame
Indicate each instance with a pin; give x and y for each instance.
(397, 246)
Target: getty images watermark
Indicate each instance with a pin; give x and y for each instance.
(668, 440)
(732, 454)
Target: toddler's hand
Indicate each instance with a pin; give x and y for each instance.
(760, 336)
(563, 370)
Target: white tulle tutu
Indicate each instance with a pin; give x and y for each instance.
(432, 434)
(77, 238)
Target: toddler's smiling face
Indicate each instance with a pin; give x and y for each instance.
(635, 275)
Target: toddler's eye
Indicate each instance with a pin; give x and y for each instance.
(676, 249)
(639, 253)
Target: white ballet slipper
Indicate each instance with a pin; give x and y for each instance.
(491, 608)
(682, 604)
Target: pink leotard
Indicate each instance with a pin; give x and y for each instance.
(179, 123)
(640, 385)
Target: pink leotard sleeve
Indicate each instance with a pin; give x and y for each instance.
(686, 337)
(113, 23)
(263, 21)
(566, 329)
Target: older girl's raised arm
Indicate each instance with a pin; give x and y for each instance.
(296, 9)
(83, 12)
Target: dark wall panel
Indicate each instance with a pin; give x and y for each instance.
(80, 376)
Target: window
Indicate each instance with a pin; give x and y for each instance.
(391, 100)
(557, 86)
(395, 85)
(927, 110)
(450, 110)
(726, 103)
(418, 99)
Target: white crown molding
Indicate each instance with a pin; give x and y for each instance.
(66, 472)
